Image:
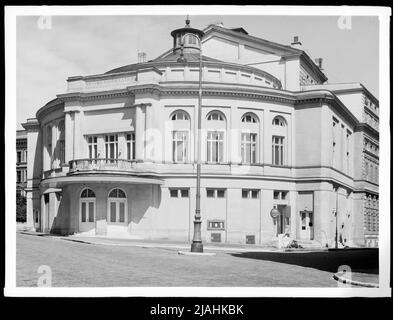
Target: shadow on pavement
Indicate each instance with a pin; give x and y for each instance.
(361, 260)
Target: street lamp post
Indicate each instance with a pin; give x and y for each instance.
(197, 245)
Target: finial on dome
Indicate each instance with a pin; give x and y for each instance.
(188, 21)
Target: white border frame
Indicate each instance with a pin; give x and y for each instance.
(11, 12)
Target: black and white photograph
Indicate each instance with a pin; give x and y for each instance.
(192, 151)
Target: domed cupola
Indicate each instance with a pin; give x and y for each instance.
(188, 36)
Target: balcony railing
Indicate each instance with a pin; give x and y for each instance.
(101, 165)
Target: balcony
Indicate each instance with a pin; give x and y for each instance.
(91, 165)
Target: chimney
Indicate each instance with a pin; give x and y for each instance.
(141, 57)
(296, 43)
(318, 62)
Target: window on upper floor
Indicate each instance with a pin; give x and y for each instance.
(130, 141)
(111, 147)
(249, 147)
(250, 118)
(92, 146)
(215, 146)
(278, 151)
(279, 121)
(180, 115)
(215, 115)
(180, 146)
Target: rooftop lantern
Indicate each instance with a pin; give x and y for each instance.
(187, 38)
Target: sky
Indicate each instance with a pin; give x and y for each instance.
(86, 45)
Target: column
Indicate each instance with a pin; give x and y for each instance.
(121, 145)
(149, 134)
(43, 218)
(139, 133)
(78, 137)
(69, 137)
(54, 162)
(29, 210)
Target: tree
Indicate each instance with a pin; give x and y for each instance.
(20, 208)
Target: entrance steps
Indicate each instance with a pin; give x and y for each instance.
(309, 243)
(306, 244)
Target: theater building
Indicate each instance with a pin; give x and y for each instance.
(115, 156)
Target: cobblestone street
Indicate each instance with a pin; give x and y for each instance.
(76, 264)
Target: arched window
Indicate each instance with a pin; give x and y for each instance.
(180, 115)
(279, 141)
(216, 128)
(250, 118)
(180, 136)
(190, 39)
(117, 207)
(249, 138)
(87, 209)
(117, 193)
(215, 115)
(279, 121)
(88, 193)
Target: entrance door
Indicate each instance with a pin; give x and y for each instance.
(117, 211)
(87, 214)
(284, 219)
(306, 225)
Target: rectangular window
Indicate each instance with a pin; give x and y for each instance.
(111, 147)
(177, 193)
(278, 151)
(184, 193)
(280, 195)
(180, 146)
(130, 138)
(18, 176)
(210, 193)
(19, 156)
(248, 147)
(92, 143)
(174, 193)
(215, 146)
(245, 193)
(250, 193)
(215, 193)
(220, 193)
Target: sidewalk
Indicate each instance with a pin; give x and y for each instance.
(170, 244)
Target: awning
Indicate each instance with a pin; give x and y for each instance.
(51, 190)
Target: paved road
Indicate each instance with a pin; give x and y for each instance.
(76, 264)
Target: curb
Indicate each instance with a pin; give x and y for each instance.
(177, 246)
(354, 282)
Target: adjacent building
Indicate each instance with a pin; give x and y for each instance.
(114, 155)
(21, 162)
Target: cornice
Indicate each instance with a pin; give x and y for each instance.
(365, 127)
(88, 96)
(213, 91)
